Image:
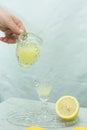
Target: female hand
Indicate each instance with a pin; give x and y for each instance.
(11, 26)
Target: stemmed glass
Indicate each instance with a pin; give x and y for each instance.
(43, 89)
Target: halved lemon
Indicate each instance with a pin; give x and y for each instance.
(34, 128)
(80, 128)
(67, 107)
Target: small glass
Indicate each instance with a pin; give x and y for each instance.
(28, 49)
(43, 89)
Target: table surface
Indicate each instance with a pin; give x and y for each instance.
(18, 105)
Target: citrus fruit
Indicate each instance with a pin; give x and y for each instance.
(80, 128)
(34, 128)
(67, 107)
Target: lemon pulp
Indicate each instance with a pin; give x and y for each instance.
(67, 107)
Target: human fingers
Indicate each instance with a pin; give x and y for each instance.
(19, 23)
(8, 40)
(9, 37)
(13, 27)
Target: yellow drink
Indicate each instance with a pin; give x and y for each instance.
(27, 54)
(43, 91)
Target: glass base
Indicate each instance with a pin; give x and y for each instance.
(31, 119)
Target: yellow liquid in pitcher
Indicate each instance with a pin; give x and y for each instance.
(27, 54)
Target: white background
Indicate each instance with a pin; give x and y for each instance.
(63, 26)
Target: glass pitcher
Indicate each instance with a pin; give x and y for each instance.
(28, 49)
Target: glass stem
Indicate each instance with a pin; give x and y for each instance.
(44, 108)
